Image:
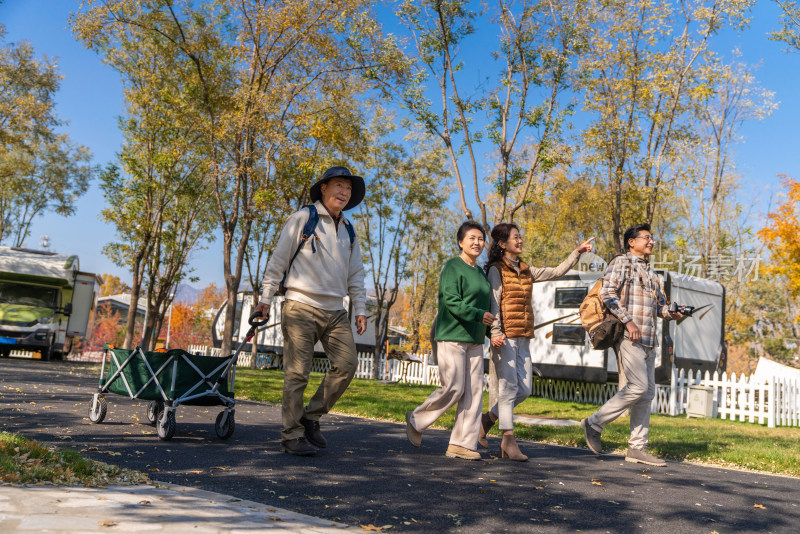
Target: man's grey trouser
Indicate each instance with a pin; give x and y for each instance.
(638, 364)
(302, 327)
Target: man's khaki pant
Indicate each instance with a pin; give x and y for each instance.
(637, 364)
(302, 327)
(461, 375)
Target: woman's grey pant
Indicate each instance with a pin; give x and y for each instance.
(461, 375)
(638, 364)
(512, 364)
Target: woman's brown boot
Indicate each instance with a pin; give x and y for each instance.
(509, 448)
(487, 422)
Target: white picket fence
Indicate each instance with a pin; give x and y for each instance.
(409, 372)
(774, 400)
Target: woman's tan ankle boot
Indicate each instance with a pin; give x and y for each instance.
(510, 450)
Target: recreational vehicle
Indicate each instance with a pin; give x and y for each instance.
(270, 337)
(561, 348)
(45, 301)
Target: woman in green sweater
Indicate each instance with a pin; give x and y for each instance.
(460, 332)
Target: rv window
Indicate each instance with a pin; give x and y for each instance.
(37, 296)
(569, 334)
(570, 297)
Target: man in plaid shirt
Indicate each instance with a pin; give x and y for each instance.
(631, 291)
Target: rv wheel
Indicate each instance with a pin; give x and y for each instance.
(98, 409)
(224, 430)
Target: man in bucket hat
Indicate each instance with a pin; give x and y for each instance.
(317, 261)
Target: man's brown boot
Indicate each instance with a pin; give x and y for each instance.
(298, 447)
(313, 434)
(486, 424)
(510, 450)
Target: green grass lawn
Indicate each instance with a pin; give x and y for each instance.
(23, 461)
(711, 441)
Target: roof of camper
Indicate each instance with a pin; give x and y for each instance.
(681, 280)
(695, 283)
(37, 266)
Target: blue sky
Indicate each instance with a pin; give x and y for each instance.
(90, 100)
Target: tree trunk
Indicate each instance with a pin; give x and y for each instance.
(254, 341)
(379, 335)
(133, 308)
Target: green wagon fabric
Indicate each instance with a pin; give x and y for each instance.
(137, 374)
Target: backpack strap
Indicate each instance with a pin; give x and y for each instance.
(626, 281)
(351, 232)
(309, 232)
(310, 229)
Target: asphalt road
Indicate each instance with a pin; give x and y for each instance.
(370, 474)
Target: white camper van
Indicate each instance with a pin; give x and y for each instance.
(561, 348)
(270, 337)
(45, 301)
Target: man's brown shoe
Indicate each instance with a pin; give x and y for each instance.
(313, 435)
(592, 437)
(641, 456)
(414, 436)
(298, 447)
(457, 451)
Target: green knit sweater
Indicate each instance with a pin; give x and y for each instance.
(463, 299)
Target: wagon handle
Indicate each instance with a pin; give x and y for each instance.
(252, 320)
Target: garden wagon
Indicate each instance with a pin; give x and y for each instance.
(169, 379)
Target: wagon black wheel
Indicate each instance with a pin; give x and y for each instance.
(97, 410)
(225, 430)
(166, 425)
(154, 411)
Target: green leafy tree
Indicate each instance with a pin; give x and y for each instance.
(522, 102)
(640, 80)
(403, 189)
(252, 67)
(790, 25)
(707, 185)
(41, 170)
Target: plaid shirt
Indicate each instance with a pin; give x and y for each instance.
(644, 300)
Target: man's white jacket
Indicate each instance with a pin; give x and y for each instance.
(323, 278)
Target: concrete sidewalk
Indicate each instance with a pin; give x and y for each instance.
(146, 508)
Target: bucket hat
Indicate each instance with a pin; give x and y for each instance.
(359, 189)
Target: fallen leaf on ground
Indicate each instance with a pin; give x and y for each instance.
(108, 523)
(760, 506)
(371, 528)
